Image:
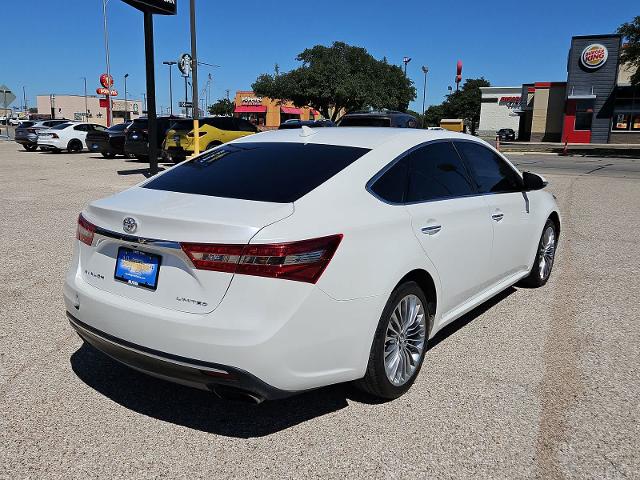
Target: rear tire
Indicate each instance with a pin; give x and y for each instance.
(399, 344)
(30, 148)
(545, 256)
(74, 146)
(108, 155)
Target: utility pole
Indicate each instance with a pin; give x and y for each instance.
(170, 64)
(24, 102)
(424, 91)
(227, 92)
(194, 92)
(126, 108)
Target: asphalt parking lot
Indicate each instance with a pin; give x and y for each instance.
(536, 383)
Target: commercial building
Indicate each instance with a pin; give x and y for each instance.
(267, 113)
(73, 108)
(596, 103)
(499, 109)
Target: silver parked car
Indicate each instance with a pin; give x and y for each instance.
(27, 132)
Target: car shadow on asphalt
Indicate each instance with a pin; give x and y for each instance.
(468, 317)
(145, 172)
(205, 412)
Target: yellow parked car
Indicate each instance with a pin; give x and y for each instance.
(179, 142)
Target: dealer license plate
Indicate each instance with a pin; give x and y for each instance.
(137, 268)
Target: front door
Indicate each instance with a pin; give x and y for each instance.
(502, 188)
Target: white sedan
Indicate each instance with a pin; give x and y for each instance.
(293, 259)
(67, 136)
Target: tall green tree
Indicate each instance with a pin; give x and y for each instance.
(223, 107)
(465, 103)
(631, 51)
(339, 78)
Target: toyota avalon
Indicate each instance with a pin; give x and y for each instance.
(293, 259)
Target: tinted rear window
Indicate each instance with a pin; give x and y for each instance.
(140, 123)
(365, 122)
(265, 172)
(26, 124)
(182, 125)
(118, 128)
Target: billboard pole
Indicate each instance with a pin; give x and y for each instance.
(151, 93)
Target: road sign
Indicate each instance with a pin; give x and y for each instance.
(161, 7)
(185, 104)
(184, 64)
(6, 96)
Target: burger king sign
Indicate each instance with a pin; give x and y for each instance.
(594, 56)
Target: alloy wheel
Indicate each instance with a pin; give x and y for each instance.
(546, 252)
(404, 340)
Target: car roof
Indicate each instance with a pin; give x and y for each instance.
(363, 137)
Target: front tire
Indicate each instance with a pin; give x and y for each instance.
(545, 256)
(399, 344)
(30, 148)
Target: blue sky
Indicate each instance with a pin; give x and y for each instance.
(50, 44)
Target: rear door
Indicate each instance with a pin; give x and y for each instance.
(502, 188)
(450, 221)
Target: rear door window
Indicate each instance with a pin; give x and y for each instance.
(265, 172)
(490, 172)
(436, 172)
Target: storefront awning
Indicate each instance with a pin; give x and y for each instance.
(250, 109)
(290, 110)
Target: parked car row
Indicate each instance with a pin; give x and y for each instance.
(176, 140)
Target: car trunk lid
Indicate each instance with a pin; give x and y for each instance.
(163, 221)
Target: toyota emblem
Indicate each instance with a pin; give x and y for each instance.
(129, 225)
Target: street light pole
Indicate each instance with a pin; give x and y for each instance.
(126, 108)
(194, 93)
(170, 64)
(405, 60)
(424, 92)
(86, 107)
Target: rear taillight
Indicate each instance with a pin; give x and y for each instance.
(31, 130)
(85, 230)
(303, 261)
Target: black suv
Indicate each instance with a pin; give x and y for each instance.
(109, 142)
(136, 141)
(506, 134)
(382, 118)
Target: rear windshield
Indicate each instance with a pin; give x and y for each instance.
(140, 123)
(119, 128)
(265, 172)
(26, 124)
(182, 125)
(61, 126)
(365, 122)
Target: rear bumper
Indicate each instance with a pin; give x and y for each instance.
(175, 368)
(289, 335)
(138, 148)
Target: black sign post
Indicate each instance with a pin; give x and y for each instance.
(149, 8)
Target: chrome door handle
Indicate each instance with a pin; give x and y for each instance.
(431, 229)
(497, 216)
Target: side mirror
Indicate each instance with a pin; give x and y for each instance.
(533, 181)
